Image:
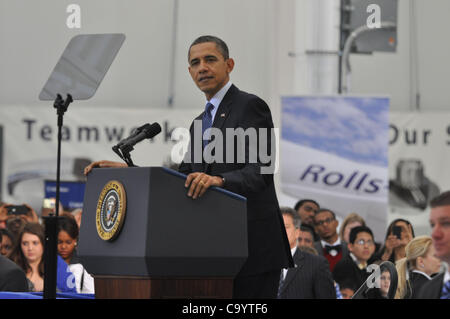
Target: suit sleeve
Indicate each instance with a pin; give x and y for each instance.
(323, 281)
(257, 172)
(16, 281)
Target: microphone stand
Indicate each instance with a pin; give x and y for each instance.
(51, 222)
(124, 153)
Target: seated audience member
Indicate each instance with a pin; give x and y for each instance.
(416, 268)
(353, 267)
(329, 244)
(28, 254)
(350, 221)
(385, 283)
(305, 236)
(439, 286)
(347, 289)
(67, 242)
(306, 209)
(5, 215)
(310, 278)
(7, 242)
(394, 247)
(12, 278)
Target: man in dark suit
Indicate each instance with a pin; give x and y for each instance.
(235, 164)
(12, 278)
(329, 245)
(439, 286)
(238, 166)
(311, 277)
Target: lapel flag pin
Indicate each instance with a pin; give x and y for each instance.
(222, 115)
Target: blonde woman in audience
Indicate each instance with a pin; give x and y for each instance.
(28, 254)
(416, 268)
(352, 220)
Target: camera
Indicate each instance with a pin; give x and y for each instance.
(17, 210)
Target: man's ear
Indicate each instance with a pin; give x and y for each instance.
(350, 247)
(230, 64)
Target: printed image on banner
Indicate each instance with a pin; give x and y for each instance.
(335, 150)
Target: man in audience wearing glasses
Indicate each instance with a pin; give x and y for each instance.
(353, 267)
(329, 244)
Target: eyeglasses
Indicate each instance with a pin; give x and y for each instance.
(322, 222)
(362, 242)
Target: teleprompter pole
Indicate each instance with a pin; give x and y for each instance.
(51, 222)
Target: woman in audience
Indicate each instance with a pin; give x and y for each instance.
(7, 243)
(67, 243)
(416, 268)
(28, 254)
(395, 243)
(352, 220)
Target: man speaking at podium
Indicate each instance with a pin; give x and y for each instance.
(229, 108)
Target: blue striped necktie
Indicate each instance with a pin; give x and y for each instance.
(207, 123)
(446, 290)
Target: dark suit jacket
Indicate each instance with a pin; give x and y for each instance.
(346, 270)
(416, 281)
(432, 289)
(12, 278)
(268, 247)
(310, 279)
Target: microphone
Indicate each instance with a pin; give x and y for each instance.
(141, 133)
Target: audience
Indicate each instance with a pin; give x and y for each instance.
(311, 278)
(329, 244)
(416, 268)
(327, 264)
(352, 268)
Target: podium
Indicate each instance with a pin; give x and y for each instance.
(166, 245)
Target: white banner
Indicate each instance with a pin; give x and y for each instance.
(335, 150)
(30, 143)
(419, 153)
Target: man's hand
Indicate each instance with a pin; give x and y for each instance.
(200, 182)
(103, 163)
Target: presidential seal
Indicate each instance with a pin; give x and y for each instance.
(111, 210)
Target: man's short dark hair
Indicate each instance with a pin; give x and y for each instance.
(302, 201)
(307, 228)
(221, 45)
(442, 199)
(359, 229)
(322, 210)
(290, 212)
